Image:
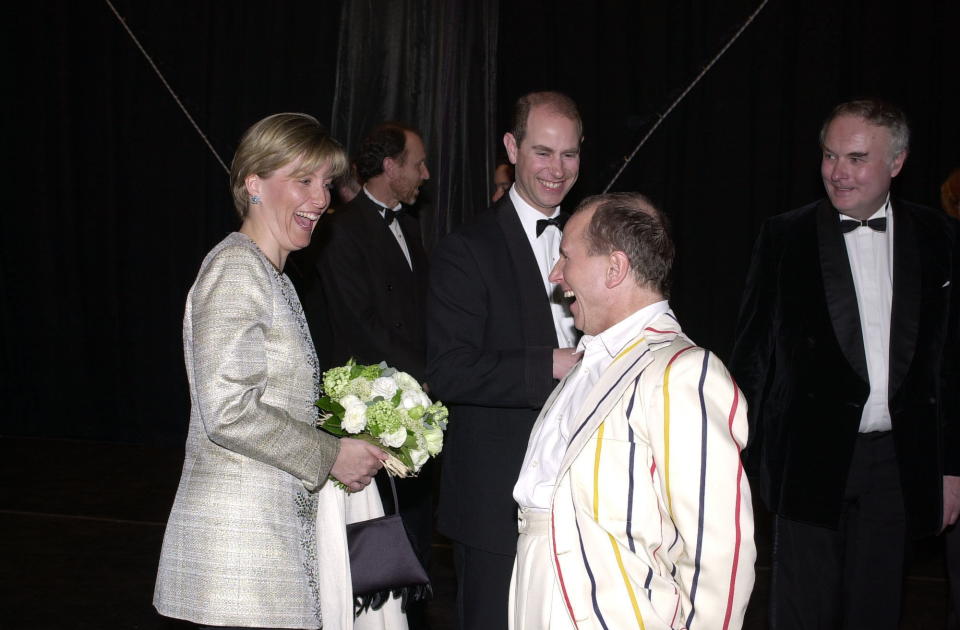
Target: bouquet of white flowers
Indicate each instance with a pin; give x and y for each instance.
(387, 408)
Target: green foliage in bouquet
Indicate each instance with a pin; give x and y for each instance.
(386, 408)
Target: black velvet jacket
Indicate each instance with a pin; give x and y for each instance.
(800, 362)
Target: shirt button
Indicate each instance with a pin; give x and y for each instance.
(533, 464)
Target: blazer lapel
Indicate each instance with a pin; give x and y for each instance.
(608, 391)
(839, 291)
(538, 328)
(905, 309)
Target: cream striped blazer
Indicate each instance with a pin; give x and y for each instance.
(652, 524)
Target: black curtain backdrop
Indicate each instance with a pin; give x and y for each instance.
(116, 199)
(743, 144)
(431, 64)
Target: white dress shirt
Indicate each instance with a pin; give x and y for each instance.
(871, 262)
(546, 248)
(394, 226)
(541, 464)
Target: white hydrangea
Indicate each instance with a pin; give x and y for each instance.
(384, 386)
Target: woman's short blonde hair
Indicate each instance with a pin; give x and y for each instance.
(276, 141)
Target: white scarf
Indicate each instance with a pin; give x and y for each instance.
(336, 508)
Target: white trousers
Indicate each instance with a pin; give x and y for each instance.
(536, 602)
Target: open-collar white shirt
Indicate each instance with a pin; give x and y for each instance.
(548, 443)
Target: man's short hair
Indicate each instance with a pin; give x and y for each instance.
(386, 140)
(630, 223)
(555, 101)
(876, 112)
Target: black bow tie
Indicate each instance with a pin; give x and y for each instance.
(543, 223)
(849, 225)
(389, 215)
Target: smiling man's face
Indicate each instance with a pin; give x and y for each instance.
(547, 160)
(857, 165)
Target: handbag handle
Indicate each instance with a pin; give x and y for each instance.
(393, 488)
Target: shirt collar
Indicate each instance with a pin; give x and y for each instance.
(383, 206)
(528, 214)
(614, 339)
(882, 211)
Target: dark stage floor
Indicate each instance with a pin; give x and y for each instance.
(81, 525)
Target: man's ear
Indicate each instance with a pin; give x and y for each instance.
(897, 163)
(510, 144)
(618, 268)
(389, 167)
(252, 183)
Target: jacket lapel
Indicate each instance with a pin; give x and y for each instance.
(383, 239)
(905, 309)
(839, 291)
(537, 320)
(608, 391)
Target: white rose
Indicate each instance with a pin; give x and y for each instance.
(410, 399)
(406, 382)
(395, 439)
(355, 417)
(433, 439)
(419, 458)
(348, 400)
(384, 386)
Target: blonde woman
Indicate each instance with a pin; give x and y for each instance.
(242, 547)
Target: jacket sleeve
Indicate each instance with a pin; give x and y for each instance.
(230, 312)
(462, 367)
(697, 423)
(753, 347)
(950, 378)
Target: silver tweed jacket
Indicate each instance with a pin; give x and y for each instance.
(240, 543)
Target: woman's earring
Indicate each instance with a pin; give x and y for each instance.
(255, 200)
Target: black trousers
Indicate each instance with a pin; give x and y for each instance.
(850, 577)
(483, 588)
(952, 543)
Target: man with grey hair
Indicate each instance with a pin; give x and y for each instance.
(847, 351)
(634, 508)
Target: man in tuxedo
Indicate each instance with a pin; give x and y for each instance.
(634, 508)
(370, 259)
(846, 351)
(498, 338)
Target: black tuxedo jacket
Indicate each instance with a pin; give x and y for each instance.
(375, 301)
(490, 341)
(800, 362)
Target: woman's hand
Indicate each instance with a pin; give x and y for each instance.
(357, 463)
